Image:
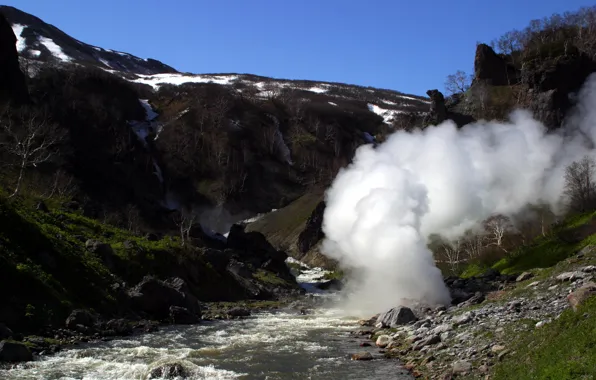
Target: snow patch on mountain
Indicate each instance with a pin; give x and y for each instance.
(54, 49)
(387, 115)
(177, 79)
(18, 30)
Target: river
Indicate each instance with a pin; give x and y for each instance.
(268, 345)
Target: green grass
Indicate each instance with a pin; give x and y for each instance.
(269, 278)
(563, 349)
(543, 252)
(334, 275)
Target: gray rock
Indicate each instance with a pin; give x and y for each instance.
(383, 341)
(80, 318)
(13, 352)
(463, 319)
(169, 371)
(427, 342)
(524, 276)
(461, 367)
(442, 328)
(397, 316)
(589, 269)
(571, 276)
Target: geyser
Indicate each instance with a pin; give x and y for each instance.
(383, 207)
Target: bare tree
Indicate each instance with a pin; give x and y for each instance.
(580, 188)
(453, 253)
(458, 82)
(473, 245)
(33, 140)
(63, 184)
(185, 220)
(497, 227)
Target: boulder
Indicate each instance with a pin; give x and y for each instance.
(524, 276)
(578, 297)
(169, 371)
(491, 68)
(461, 367)
(362, 356)
(182, 316)
(383, 341)
(5, 332)
(13, 86)
(396, 317)
(155, 297)
(103, 250)
(118, 327)
(13, 352)
(238, 312)
(433, 339)
(80, 317)
(571, 276)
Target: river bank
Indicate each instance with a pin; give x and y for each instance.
(481, 335)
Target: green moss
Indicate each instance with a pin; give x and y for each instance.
(269, 278)
(334, 275)
(563, 349)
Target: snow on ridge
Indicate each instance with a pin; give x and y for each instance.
(333, 104)
(18, 30)
(54, 49)
(411, 98)
(177, 79)
(387, 115)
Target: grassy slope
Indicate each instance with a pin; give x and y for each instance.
(283, 226)
(565, 348)
(46, 271)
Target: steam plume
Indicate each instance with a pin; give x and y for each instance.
(441, 180)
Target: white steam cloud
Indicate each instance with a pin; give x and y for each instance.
(441, 180)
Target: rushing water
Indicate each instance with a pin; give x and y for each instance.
(280, 345)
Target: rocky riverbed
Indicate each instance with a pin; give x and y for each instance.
(468, 338)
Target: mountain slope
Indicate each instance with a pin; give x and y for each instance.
(40, 41)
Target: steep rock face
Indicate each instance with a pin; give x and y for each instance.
(313, 231)
(438, 111)
(12, 81)
(490, 67)
(553, 81)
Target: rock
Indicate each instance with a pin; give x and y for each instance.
(442, 328)
(497, 348)
(540, 324)
(571, 276)
(182, 316)
(313, 231)
(490, 274)
(13, 352)
(502, 354)
(155, 297)
(396, 317)
(5, 332)
(362, 356)
(13, 86)
(463, 319)
(80, 318)
(383, 341)
(578, 297)
(438, 110)
(491, 68)
(365, 344)
(118, 327)
(41, 206)
(460, 367)
(589, 269)
(238, 312)
(586, 250)
(103, 250)
(169, 371)
(427, 342)
(524, 276)
(484, 369)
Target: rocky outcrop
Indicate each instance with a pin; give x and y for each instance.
(489, 67)
(182, 316)
(169, 371)
(581, 295)
(12, 81)
(80, 318)
(438, 110)
(155, 297)
(552, 82)
(313, 232)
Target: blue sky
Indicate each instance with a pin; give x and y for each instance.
(409, 46)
